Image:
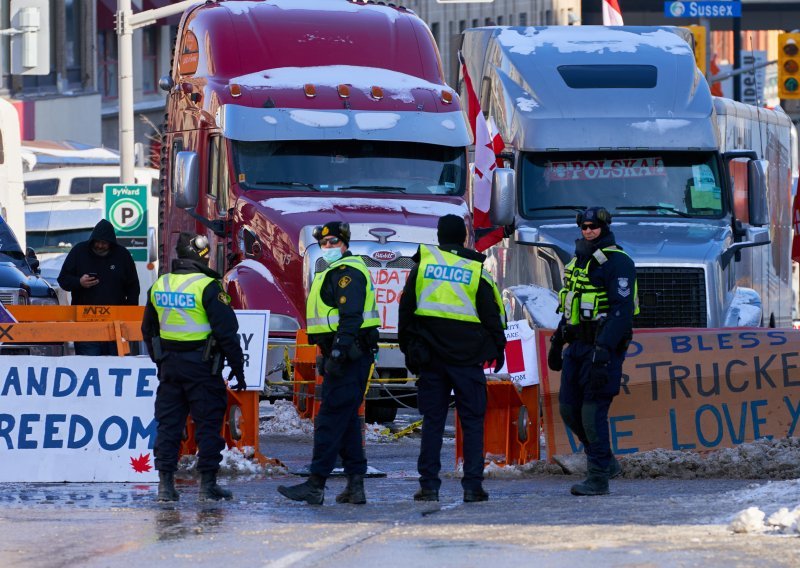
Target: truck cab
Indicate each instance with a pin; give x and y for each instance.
(699, 187)
(338, 112)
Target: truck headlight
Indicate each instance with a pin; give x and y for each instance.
(282, 322)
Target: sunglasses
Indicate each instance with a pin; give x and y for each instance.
(589, 226)
(330, 241)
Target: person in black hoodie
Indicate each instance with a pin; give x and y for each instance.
(451, 322)
(188, 327)
(598, 303)
(100, 272)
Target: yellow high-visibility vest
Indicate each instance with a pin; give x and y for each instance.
(178, 300)
(322, 318)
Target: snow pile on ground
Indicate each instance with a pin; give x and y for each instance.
(282, 418)
(782, 521)
(539, 467)
(762, 459)
(235, 462)
(378, 433)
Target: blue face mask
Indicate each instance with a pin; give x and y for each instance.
(332, 254)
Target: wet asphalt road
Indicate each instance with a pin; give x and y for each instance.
(532, 521)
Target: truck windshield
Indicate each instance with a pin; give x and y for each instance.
(351, 165)
(649, 183)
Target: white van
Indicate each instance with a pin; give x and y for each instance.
(62, 206)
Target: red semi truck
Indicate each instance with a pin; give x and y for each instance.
(285, 114)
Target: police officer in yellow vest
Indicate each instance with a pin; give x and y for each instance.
(598, 303)
(451, 322)
(188, 328)
(342, 318)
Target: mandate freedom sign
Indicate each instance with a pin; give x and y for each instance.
(77, 419)
(694, 390)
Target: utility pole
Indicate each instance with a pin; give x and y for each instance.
(127, 22)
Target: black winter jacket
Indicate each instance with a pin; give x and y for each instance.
(116, 272)
(221, 317)
(451, 341)
(617, 276)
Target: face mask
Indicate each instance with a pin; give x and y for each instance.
(331, 254)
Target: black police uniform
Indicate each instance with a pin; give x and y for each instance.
(589, 384)
(337, 430)
(186, 382)
(449, 354)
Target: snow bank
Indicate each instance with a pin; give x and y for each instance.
(282, 418)
(235, 462)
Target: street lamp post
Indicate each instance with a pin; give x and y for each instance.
(127, 22)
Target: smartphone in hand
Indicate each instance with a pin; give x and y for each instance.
(92, 275)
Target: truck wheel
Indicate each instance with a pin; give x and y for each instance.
(379, 414)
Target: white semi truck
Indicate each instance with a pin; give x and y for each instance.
(699, 187)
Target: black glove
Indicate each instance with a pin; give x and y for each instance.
(500, 361)
(346, 345)
(555, 358)
(334, 365)
(598, 374)
(239, 375)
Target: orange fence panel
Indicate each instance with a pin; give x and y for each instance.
(511, 425)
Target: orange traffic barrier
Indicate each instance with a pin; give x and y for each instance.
(123, 324)
(305, 377)
(511, 425)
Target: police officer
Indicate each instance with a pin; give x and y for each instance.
(342, 319)
(188, 327)
(598, 303)
(451, 322)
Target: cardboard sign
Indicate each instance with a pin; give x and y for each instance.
(77, 419)
(696, 390)
(388, 284)
(254, 338)
(520, 354)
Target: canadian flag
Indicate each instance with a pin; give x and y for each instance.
(796, 224)
(487, 146)
(612, 15)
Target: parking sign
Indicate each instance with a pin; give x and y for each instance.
(126, 210)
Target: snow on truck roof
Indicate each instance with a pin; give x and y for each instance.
(317, 6)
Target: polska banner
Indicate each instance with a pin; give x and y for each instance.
(796, 224)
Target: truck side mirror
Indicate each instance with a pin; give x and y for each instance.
(502, 206)
(33, 262)
(757, 180)
(186, 180)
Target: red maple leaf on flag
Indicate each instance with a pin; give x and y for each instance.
(487, 146)
(141, 464)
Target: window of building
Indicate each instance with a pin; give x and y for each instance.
(150, 59)
(511, 19)
(435, 32)
(462, 25)
(548, 17)
(107, 64)
(499, 20)
(523, 19)
(73, 42)
(475, 22)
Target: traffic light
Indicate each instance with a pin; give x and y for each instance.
(789, 65)
(699, 34)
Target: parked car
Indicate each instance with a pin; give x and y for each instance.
(21, 284)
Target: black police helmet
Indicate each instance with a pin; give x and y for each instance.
(336, 229)
(599, 215)
(193, 247)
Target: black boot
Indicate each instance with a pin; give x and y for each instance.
(209, 490)
(354, 492)
(475, 495)
(166, 487)
(614, 469)
(595, 484)
(423, 494)
(312, 491)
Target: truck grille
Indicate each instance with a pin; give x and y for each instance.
(9, 296)
(671, 297)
